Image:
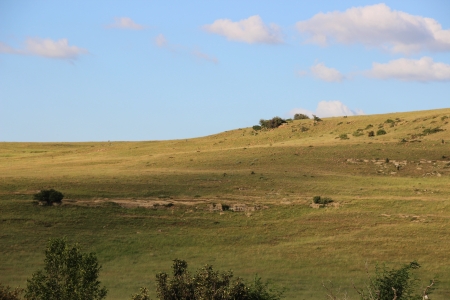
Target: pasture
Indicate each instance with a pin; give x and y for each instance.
(139, 205)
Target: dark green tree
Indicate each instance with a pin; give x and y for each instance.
(68, 275)
(300, 117)
(275, 122)
(49, 196)
(209, 284)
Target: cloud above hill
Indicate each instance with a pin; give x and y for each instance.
(377, 26)
(251, 30)
(424, 70)
(59, 49)
(325, 109)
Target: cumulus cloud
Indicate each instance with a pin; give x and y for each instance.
(322, 72)
(424, 70)
(251, 30)
(59, 49)
(328, 109)
(125, 23)
(377, 26)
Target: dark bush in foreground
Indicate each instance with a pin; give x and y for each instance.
(432, 130)
(7, 293)
(322, 200)
(68, 275)
(256, 127)
(207, 284)
(49, 196)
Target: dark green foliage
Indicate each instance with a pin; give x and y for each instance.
(432, 130)
(381, 132)
(68, 275)
(275, 122)
(300, 117)
(7, 293)
(343, 136)
(369, 126)
(322, 200)
(49, 196)
(389, 121)
(256, 127)
(209, 284)
(389, 284)
(371, 133)
(317, 119)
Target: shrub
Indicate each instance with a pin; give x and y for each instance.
(432, 130)
(49, 196)
(301, 117)
(443, 118)
(7, 293)
(275, 122)
(256, 127)
(381, 132)
(68, 274)
(322, 200)
(209, 284)
(371, 134)
(303, 129)
(389, 121)
(343, 136)
(317, 119)
(394, 284)
(369, 126)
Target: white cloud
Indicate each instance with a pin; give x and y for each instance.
(377, 26)
(328, 109)
(161, 41)
(47, 48)
(251, 30)
(125, 23)
(322, 72)
(424, 69)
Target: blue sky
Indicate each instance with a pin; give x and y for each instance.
(157, 70)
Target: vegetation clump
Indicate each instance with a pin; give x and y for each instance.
(322, 200)
(371, 133)
(429, 131)
(358, 132)
(381, 132)
(7, 293)
(275, 122)
(343, 136)
(256, 127)
(301, 117)
(48, 197)
(68, 274)
(208, 284)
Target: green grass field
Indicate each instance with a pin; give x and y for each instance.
(117, 196)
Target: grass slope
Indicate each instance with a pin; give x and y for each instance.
(385, 213)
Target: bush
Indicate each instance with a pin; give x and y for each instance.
(358, 132)
(317, 119)
(272, 123)
(209, 284)
(389, 121)
(300, 117)
(371, 134)
(343, 136)
(381, 132)
(7, 293)
(394, 284)
(320, 200)
(68, 274)
(256, 127)
(369, 126)
(432, 130)
(49, 196)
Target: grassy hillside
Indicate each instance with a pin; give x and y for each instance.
(139, 205)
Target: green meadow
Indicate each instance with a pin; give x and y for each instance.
(139, 205)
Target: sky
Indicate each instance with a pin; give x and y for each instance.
(158, 70)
